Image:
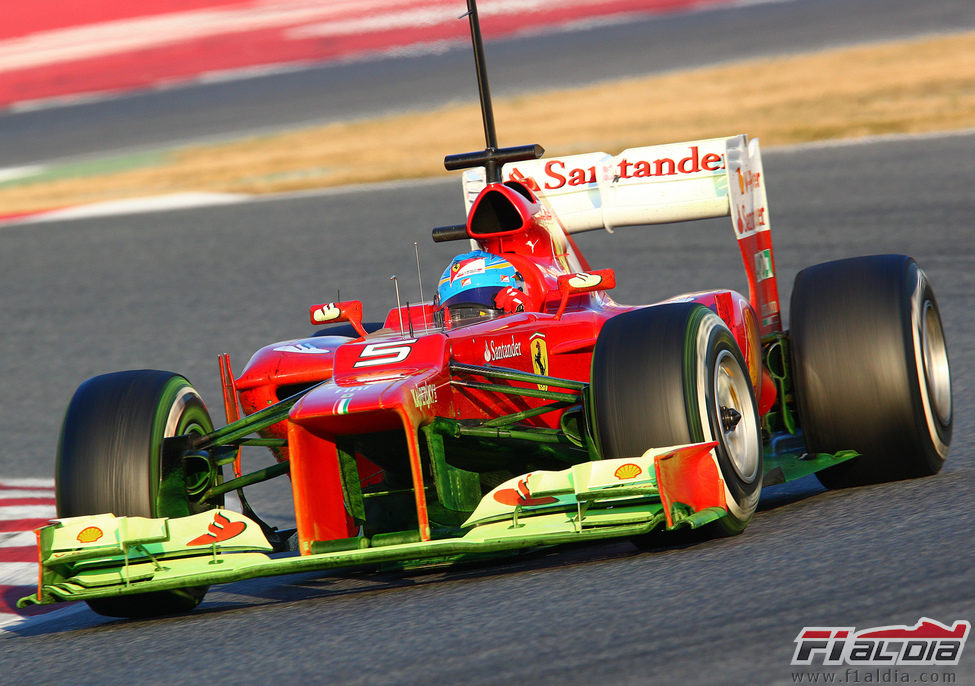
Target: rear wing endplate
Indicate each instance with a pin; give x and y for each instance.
(660, 184)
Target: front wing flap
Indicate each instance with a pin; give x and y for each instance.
(103, 555)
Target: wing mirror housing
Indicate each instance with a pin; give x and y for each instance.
(584, 282)
(332, 313)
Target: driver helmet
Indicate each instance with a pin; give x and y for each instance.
(469, 284)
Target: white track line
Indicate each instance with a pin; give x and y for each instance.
(128, 206)
(23, 493)
(196, 200)
(17, 539)
(9, 512)
(870, 140)
(18, 573)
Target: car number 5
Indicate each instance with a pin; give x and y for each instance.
(391, 352)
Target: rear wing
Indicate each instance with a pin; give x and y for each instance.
(660, 184)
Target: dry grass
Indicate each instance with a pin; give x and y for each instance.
(900, 87)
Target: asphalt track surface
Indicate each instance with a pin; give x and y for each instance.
(366, 88)
(173, 290)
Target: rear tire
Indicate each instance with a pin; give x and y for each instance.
(110, 460)
(660, 377)
(871, 369)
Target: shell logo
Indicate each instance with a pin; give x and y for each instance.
(628, 471)
(90, 534)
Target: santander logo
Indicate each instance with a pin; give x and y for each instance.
(559, 175)
(501, 351)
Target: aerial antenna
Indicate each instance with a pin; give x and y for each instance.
(419, 274)
(419, 278)
(399, 307)
(492, 158)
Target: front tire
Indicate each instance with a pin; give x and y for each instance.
(871, 369)
(110, 460)
(668, 375)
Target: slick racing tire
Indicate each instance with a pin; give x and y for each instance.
(871, 369)
(110, 460)
(666, 375)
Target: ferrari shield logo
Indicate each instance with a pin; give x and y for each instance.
(539, 353)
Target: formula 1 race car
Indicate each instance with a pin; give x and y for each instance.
(521, 407)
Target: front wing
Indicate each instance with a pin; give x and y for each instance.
(100, 556)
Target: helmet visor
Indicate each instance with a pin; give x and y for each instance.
(473, 305)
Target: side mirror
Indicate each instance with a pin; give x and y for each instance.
(584, 282)
(345, 311)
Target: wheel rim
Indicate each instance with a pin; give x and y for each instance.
(187, 415)
(936, 374)
(740, 437)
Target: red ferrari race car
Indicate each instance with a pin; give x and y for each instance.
(521, 407)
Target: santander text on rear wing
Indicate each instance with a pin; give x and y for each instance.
(660, 184)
